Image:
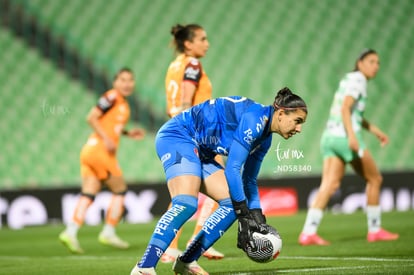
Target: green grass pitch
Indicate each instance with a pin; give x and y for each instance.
(36, 250)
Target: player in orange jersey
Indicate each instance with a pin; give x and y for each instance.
(187, 85)
(99, 164)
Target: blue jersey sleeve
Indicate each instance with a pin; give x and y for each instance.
(235, 161)
(250, 173)
(246, 154)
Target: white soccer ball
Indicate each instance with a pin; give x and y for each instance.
(268, 247)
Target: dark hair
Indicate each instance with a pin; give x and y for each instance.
(362, 56)
(288, 101)
(183, 33)
(123, 70)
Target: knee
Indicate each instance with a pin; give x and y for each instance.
(117, 185)
(329, 188)
(375, 180)
(91, 186)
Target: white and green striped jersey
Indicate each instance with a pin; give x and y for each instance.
(353, 84)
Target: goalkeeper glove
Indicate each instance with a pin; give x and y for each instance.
(261, 219)
(247, 225)
(258, 215)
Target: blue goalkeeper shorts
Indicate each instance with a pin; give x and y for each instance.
(179, 154)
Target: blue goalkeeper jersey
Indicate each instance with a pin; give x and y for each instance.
(236, 127)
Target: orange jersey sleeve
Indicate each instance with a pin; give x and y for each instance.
(185, 68)
(115, 116)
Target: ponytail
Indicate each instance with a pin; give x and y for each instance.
(288, 101)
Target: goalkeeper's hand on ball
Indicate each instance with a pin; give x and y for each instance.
(247, 225)
(261, 219)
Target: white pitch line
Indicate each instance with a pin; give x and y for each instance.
(372, 259)
(321, 269)
(330, 268)
(316, 269)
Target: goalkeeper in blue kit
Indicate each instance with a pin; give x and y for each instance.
(236, 127)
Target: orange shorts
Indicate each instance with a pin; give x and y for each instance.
(97, 162)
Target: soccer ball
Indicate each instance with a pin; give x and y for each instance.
(268, 247)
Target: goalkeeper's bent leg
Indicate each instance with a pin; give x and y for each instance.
(183, 207)
(213, 229)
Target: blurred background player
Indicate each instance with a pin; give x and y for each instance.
(187, 85)
(342, 143)
(99, 164)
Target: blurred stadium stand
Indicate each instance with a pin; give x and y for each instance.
(58, 56)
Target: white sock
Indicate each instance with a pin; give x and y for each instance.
(108, 230)
(72, 229)
(374, 218)
(313, 219)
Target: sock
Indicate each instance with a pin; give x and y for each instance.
(213, 229)
(313, 219)
(183, 207)
(174, 243)
(115, 209)
(374, 218)
(208, 207)
(72, 229)
(83, 204)
(108, 230)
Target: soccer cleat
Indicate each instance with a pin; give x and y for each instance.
(170, 255)
(71, 242)
(113, 240)
(213, 254)
(143, 271)
(312, 239)
(192, 268)
(382, 235)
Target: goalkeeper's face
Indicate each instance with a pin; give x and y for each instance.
(125, 83)
(288, 124)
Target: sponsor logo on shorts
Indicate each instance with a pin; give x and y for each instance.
(165, 157)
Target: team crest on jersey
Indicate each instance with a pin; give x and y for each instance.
(196, 152)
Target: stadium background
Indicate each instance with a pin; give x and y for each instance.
(58, 57)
